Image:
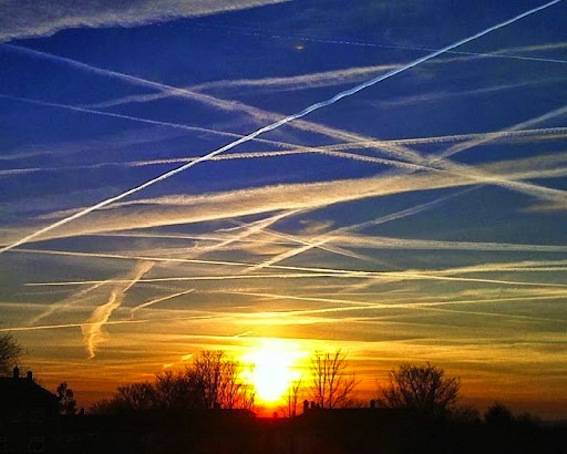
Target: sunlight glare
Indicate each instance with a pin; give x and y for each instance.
(273, 368)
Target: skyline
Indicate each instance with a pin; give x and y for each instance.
(419, 218)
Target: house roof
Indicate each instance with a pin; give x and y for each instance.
(24, 392)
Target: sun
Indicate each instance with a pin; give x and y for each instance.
(273, 367)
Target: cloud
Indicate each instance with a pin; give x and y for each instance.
(29, 18)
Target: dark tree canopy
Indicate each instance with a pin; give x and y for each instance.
(424, 389)
(10, 353)
(498, 413)
(66, 397)
(331, 384)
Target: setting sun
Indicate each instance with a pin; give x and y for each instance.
(273, 367)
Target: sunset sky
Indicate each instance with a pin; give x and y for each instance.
(417, 217)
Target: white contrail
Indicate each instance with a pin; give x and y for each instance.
(120, 116)
(337, 150)
(67, 325)
(182, 210)
(67, 302)
(159, 300)
(495, 54)
(481, 140)
(274, 125)
(303, 81)
(259, 114)
(379, 275)
(330, 236)
(92, 328)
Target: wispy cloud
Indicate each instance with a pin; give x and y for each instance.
(26, 19)
(92, 327)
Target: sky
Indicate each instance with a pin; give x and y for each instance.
(384, 177)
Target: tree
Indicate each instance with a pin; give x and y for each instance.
(498, 414)
(10, 353)
(424, 389)
(175, 391)
(211, 381)
(66, 397)
(215, 378)
(293, 399)
(331, 385)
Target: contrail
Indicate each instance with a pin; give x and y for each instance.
(303, 81)
(258, 114)
(67, 325)
(223, 315)
(497, 54)
(330, 236)
(71, 107)
(427, 306)
(275, 125)
(159, 300)
(266, 199)
(481, 140)
(380, 275)
(66, 302)
(330, 249)
(337, 150)
(92, 327)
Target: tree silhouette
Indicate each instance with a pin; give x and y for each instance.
(498, 414)
(175, 391)
(293, 398)
(66, 397)
(10, 353)
(331, 385)
(424, 389)
(215, 379)
(211, 381)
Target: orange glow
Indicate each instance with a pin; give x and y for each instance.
(272, 367)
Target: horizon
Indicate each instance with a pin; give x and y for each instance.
(272, 178)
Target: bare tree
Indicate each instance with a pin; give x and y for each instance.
(331, 385)
(175, 390)
(293, 398)
(66, 397)
(136, 397)
(10, 353)
(211, 381)
(424, 389)
(216, 381)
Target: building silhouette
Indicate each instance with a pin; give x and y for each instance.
(29, 415)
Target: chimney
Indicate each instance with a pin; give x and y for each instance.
(16, 372)
(30, 375)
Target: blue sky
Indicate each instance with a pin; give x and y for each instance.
(420, 219)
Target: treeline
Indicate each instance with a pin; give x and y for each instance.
(211, 381)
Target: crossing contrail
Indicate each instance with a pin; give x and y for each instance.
(276, 125)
